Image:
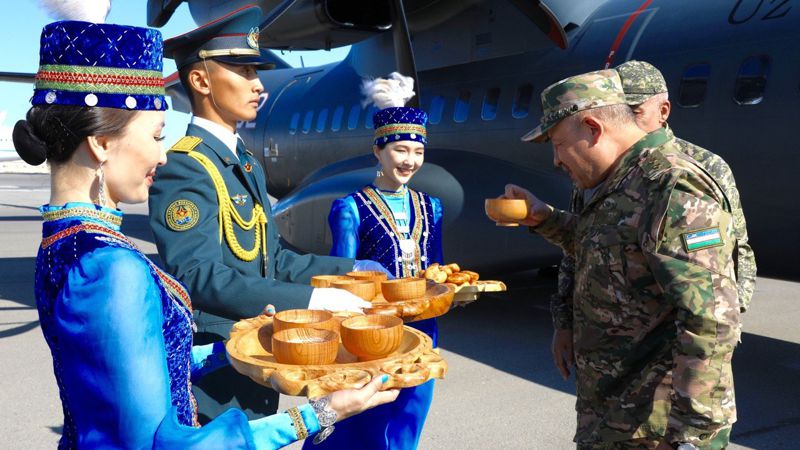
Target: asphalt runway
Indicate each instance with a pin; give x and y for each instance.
(501, 391)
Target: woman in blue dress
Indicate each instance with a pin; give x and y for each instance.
(118, 327)
(400, 228)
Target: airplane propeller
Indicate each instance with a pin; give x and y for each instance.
(403, 52)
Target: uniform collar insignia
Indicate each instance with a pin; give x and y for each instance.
(248, 167)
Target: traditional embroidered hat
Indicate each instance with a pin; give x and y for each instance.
(232, 39)
(578, 93)
(100, 64)
(394, 121)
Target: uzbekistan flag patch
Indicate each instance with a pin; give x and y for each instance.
(700, 239)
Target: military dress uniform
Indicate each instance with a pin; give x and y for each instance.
(213, 227)
(656, 314)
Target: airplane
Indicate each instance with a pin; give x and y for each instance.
(479, 66)
(7, 151)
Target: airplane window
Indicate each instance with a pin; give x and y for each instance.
(489, 110)
(309, 117)
(294, 122)
(368, 118)
(522, 101)
(752, 80)
(336, 120)
(321, 119)
(693, 85)
(352, 118)
(436, 110)
(461, 112)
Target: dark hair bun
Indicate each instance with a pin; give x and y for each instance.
(32, 149)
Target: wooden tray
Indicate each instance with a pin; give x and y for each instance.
(249, 351)
(471, 292)
(439, 298)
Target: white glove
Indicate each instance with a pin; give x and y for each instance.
(332, 299)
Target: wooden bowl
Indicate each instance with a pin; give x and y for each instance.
(305, 346)
(506, 212)
(324, 281)
(304, 318)
(372, 336)
(402, 289)
(371, 275)
(360, 288)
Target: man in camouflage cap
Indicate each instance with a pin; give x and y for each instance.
(646, 93)
(656, 314)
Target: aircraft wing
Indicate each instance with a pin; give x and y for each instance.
(17, 77)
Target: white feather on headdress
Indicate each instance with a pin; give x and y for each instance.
(388, 92)
(83, 10)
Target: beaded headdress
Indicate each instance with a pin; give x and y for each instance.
(393, 121)
(99, 64)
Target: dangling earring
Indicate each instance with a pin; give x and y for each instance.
(379, 172)
(101, 190)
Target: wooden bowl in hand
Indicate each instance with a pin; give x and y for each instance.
(305, 346)
(506, 212)
(372, 336)
(401, 289)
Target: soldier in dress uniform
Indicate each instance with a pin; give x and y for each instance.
(211, 216)
(655, 311)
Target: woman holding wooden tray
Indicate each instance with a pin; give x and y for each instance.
(118, 327)
(400, 228)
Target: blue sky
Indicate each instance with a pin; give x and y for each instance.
(21, 23)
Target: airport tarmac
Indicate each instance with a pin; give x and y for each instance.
(501, 391)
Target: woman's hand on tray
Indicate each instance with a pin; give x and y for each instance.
(349, 402)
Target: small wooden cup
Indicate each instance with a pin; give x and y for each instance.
(371, 275)
(372, 336)
(402, 289)
(304, 318)
(506, 212)
(360, 288)
(324, 281)
(305, 346)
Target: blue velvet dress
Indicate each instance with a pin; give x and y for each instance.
(120, 333)
(368, 224)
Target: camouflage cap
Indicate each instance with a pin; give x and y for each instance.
(573, 94)
(640, 81)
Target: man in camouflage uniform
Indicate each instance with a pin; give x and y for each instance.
(646, 93)
(656, 315)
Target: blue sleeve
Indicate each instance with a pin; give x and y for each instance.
(343, 220)
(208, 358)
(111, 350)
(277, 430)
(437, 254)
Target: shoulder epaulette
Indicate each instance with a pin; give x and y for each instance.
(186, 144)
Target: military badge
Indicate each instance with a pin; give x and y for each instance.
(239, 199)
(182, 215)
(252, 38)
(700, 239)
(248, 167)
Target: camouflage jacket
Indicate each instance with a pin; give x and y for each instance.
(561, 301)
(656, 315)
(744, 257)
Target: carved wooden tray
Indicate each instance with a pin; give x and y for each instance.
(436, 302)
(249, 351)
(470, 292)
